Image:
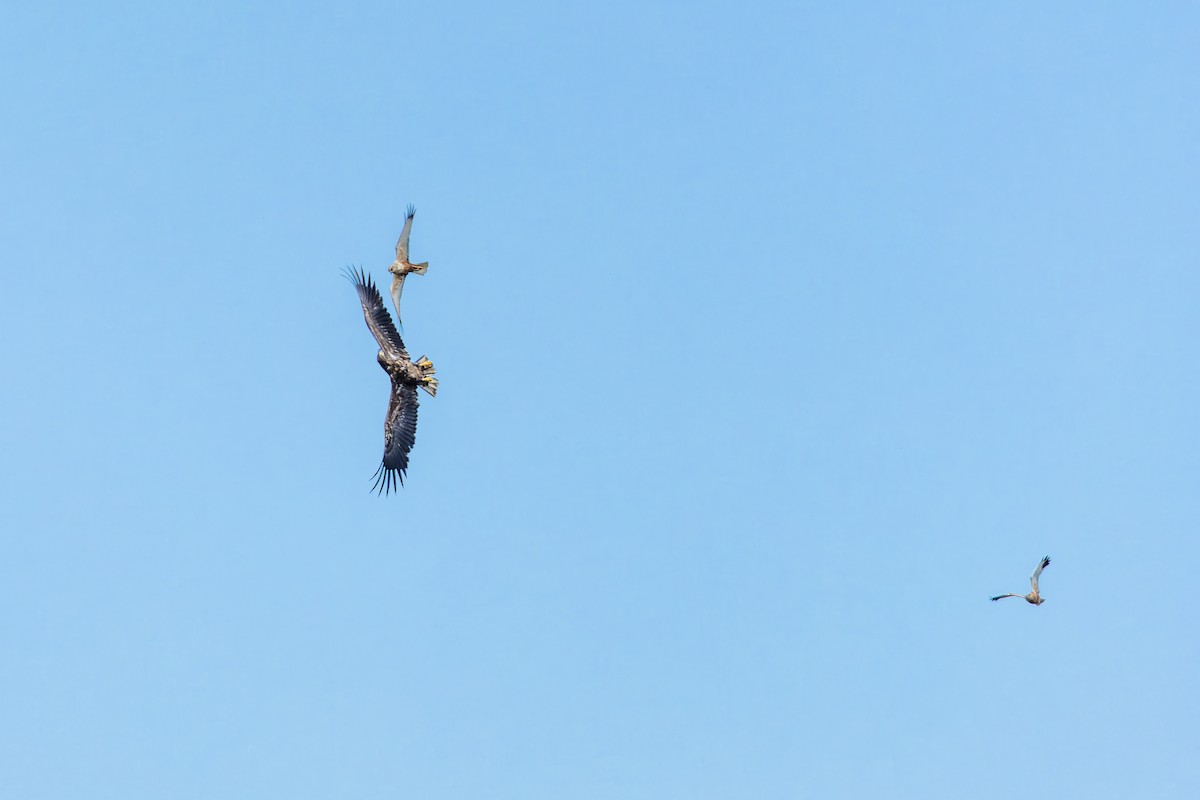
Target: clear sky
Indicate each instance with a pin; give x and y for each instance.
(773, 339)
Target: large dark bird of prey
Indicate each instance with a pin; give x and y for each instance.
(400, 424)
(401, 266)
(1033, 597)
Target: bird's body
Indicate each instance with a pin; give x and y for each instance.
(1034, 597)
(400, 424)
(401, 267)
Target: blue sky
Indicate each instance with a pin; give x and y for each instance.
(772, 341)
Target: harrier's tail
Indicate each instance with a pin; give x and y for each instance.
(421, 268)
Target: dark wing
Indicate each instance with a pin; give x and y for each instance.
(1033, 579)
(399, 433)
(379, 321)
(402, 242)
(1002, 596)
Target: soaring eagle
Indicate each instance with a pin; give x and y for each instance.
(401, 266)
(1032, 597)
(400, 424)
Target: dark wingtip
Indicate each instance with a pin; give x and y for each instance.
(386, 479)
(412, 210)
(357, 276)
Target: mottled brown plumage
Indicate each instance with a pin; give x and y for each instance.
(400, 424)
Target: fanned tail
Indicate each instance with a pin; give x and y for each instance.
(421, 268)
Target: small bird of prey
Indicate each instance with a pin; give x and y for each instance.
(1033, 597)
(401, 266)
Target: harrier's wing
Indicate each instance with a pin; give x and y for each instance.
(1033, 579)
(1002, 596)
(397, 288)
(399, 433)
(402, 242)
(379, 321)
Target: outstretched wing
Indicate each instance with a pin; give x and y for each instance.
(1033, 579)
(397, 288)
(1002, 596)
(399, 433)
(379, 321)
(402, 242)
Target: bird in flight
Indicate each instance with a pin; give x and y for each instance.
(1033, 597)
(401, 266)
(400, 424)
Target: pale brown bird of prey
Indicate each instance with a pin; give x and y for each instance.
(400, 424)
(1033, 597)
(401, 266)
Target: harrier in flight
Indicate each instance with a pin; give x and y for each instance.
(1033, 597)
(401, 266)
(400, 424)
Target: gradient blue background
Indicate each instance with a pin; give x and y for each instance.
(773, 340)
